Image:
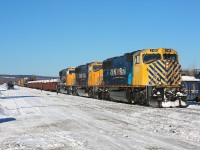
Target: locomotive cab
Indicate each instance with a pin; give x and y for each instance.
(70, 76)
(70, 80)
(62, 81)
(67, 80)
(158, 73)
(95, 73)
(88, 78)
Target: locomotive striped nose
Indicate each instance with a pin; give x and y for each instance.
(164, 73)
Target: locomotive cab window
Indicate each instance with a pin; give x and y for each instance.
(137, 59)
(170, 57)
(71, 72)
(149, 58)
(96, 68)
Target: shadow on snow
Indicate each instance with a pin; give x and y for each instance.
(2, 90)
(193, 103)
(3, 120)
(11, 97)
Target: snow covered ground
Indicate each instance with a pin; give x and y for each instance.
(34, 119)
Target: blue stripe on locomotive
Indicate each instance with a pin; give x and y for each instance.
(82, 75)
(119, 71)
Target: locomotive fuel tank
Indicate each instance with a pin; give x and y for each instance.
(118, 95)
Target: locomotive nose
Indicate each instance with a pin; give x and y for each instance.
(164, 73)
(173, 72)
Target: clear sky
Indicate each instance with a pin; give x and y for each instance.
(41, 37)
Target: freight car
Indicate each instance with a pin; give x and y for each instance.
(191, 86)
(48, 85)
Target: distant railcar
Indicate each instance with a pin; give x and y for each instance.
(191, 86)
(48, 85)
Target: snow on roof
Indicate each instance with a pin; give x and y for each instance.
(8, 77)
(44, 81)
(189, 78)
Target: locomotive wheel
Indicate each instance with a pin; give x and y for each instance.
(90, 93)
(100, 95)
(129, 96)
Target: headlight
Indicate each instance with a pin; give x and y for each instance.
(167, 65)
(179, 83)
(160, 83)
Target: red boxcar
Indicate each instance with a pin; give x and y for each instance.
(47, 85)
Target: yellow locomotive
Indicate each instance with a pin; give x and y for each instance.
(158, 72)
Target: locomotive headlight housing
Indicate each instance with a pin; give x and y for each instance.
(167, 65)
(158, 93)
(179, 83)
(160, 83)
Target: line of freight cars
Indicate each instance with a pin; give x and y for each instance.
(47, 85)
(149, 77)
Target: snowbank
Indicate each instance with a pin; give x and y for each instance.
(38, 119)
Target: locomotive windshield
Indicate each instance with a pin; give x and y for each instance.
(149, 58)
(96, 68)
(71, 71)
(170, 57)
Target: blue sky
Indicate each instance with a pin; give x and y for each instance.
(41, 37)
